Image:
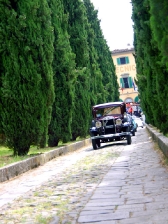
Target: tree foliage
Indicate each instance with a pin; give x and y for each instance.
(150, 60)
(96, 76)
(64, 77)
(159, 21)
(54, 65)
(108, 84)
(26, 56)
(77, 29)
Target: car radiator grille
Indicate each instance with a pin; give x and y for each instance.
(110, 127)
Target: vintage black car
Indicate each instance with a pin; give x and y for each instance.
(110, 123)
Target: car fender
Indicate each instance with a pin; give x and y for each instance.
(126, 124)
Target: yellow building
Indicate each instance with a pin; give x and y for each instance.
(124, 62)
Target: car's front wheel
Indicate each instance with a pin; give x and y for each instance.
(96, 143)
(129, 139)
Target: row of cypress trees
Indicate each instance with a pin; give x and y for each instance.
(54, 65)
(151, 55)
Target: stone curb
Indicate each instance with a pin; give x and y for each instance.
(158, 137)
(15, 169)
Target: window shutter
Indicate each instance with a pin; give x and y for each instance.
(118, 61)
(130, 82)
(127, 60)
(121, 83)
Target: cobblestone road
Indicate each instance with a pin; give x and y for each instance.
(118, 183)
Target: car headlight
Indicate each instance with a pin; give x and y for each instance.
(118, 122)
(98, 124)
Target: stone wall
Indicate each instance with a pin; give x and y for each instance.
(18, 168)
(158, 137)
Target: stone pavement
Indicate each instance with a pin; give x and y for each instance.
(135, 189)
(119, 183)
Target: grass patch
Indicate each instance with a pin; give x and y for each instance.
(165, 162)
(163, 158)
(43, 220)
(6, 154)
(22, 211)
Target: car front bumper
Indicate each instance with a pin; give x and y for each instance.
(110, 136)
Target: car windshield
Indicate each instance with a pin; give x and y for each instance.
(108, 111)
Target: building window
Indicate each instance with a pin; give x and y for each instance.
(122, 61)
(126, 82)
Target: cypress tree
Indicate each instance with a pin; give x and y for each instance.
(96, 84)
(64, 77)
(107, 87)
(142, 47)
(151, 72)
(27, 78)
(104, 58)
(77, 29)
(158, 23)
(109, 78)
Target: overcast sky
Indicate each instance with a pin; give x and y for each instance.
(116, 22)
